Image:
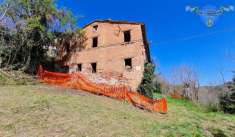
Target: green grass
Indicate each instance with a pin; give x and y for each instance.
(42, 110)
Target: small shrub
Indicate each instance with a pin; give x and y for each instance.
(212, 108)
(227, 102)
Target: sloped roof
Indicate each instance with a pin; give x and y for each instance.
(114, 22)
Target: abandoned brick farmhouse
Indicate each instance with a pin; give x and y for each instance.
(115, 53)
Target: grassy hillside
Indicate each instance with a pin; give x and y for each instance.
(41, 110)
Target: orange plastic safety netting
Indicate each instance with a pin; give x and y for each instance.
(78, 81)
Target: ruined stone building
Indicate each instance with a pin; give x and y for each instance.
(115, 53)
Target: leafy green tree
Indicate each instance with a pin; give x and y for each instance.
(31, 27)
(147, 87)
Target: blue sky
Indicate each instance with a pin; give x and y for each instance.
(177, 37)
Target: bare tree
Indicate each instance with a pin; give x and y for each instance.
(186, 77)
(222, 73)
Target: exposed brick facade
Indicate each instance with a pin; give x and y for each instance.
(111, 52)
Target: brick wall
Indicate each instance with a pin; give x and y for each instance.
(110, 54)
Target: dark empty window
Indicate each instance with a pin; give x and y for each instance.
(128, 63)
(94, 67)
(95, 42)
(67, 47)
(79, 67)
(127, 36)
(95, 28)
